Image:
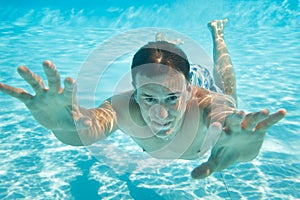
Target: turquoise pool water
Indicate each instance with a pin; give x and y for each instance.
(263, 39)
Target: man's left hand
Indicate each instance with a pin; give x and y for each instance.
(240, 141)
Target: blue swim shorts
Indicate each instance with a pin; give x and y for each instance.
(200, 76)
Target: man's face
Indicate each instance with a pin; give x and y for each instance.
(162, 100)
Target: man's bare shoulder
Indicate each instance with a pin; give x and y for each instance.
(201, 96)
(205, 97)
(124, 104)
(127, 111)
(199, 92)
(120, 98)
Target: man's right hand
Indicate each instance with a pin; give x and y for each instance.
(54, 107)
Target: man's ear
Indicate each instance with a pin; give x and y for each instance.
(189, 91)
(135, 97)
(134, 94)
(133, 84)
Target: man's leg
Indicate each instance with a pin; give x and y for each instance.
(223, 70)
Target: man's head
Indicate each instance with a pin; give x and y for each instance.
(160, 53)
(160, 76)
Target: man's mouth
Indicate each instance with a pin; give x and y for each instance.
(161, 126)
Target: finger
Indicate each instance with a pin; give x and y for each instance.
(203, 171)
(18, 93)
(271, 120)
(70, 89)
(252, 119)
(220, 159)
(233, 122)
(52, 76)
(34, 80)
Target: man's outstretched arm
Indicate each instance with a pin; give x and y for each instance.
(56, 108)
(242, 135)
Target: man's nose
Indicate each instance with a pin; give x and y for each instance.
(159, 112)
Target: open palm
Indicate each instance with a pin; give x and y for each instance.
(241, 140)
(53, 107)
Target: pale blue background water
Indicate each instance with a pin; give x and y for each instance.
(263, 39)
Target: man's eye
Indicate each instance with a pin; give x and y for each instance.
(150, 100)
(172, 99)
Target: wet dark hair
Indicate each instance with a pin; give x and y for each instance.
(160, 54)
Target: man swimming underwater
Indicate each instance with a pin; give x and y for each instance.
(176, 110)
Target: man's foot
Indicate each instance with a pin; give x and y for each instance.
(217, 27)
(161, 37)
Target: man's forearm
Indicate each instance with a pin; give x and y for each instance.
(217, 107)
(101, 120)
(68, 137)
